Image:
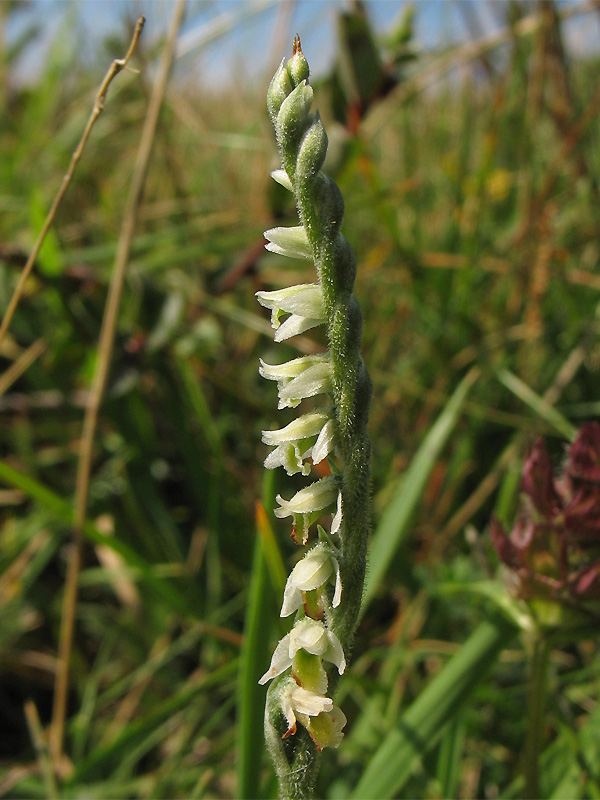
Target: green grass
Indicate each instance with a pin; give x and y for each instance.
(473, 211)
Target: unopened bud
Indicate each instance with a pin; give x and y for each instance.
(297, 66)
(279, 88)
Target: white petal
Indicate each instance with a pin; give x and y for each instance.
(292, 599)
(280, 661)
(310, 572)
(288, 709)
(314, 380)
(303, 298)
(295, 325)
(306, 702)
(281, 177)
(292, 242)
(309, 635)
(314, 569)
(334, 652)
(337, 519)
(315, 497)
(324, 444)
(289, 457)
(290, 369)
(301, 428)
(337, 594)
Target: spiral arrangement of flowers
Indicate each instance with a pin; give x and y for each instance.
(325, 588)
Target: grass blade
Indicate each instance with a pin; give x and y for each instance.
(537, 404)
(395, 522)
(251, 696)
(420, 727)
(64, 512)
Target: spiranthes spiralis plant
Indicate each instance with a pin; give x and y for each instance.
(325, 587)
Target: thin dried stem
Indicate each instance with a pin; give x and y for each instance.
(36, 733)
(117, 65)
(105, 350)
(21, 364)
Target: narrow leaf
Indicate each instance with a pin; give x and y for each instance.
(394, 524)
(420, 727)
(537, 404)
(255, 653)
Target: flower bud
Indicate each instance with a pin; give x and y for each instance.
(312, 151)
(292, 120)
(279, 88)
(297, 66)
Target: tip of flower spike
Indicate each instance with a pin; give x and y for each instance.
(297, 66)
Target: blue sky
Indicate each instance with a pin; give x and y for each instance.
(260, 31)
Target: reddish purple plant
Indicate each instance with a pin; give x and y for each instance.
(554, 548)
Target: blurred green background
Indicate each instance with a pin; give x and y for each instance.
(470, 169)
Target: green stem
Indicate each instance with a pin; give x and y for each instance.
(302, 143)
(294, 758)
(321, 208)
(535, 712)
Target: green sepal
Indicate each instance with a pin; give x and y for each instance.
(309, 672)
(292, 120)
(279, 88)
(313, 604)
(312, 152)
(297, 66)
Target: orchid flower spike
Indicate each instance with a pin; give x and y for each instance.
(325, 587)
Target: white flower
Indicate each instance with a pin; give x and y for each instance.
(310, 635)
(315, 711)
(296, 701)
(308, 504)
(302, 377)
(296, 442)
(292, 242)
(317, 566)
(304, 303)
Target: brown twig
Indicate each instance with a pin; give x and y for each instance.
(105, 349)
(117, 65)
(21, 364)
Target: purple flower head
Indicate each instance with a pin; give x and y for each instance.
(553, 550)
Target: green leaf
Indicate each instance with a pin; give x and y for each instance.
(396, 520)
(537, 404)
(64, 512)
(450, 756)
(254, 656)
(420, 727)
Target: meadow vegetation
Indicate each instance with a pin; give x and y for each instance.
(473, 208)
